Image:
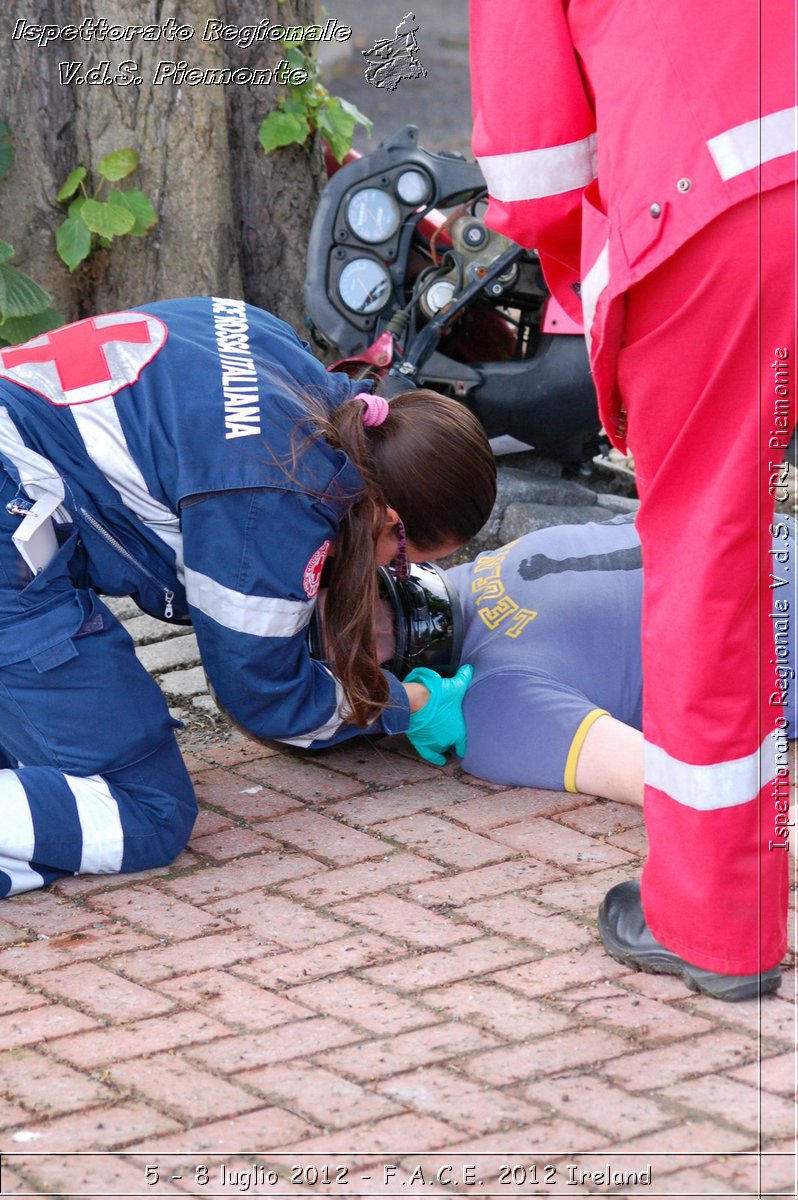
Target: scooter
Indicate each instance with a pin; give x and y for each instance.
(408, 284)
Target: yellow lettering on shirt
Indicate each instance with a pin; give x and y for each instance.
(486, 585)
(493, 617)
(490, 562)
(487, 589)
(520, 622)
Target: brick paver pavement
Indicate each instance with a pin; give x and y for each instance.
(368, 971)
(367, 976)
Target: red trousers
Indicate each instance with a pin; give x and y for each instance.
(708, 378)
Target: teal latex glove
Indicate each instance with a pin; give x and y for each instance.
(439, 725)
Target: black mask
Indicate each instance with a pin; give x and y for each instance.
(427, 621)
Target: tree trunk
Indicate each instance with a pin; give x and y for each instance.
(180, 136)
(232, 221)
(41, 115)
(275, 195)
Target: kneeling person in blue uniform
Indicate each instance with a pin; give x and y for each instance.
(195, 456)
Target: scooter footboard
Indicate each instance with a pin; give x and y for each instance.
(546, 401)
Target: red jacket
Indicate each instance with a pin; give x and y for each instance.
(611, 131)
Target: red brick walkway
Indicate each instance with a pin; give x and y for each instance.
(376, 969)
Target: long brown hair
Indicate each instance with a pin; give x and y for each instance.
(431, 461)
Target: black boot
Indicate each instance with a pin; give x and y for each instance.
(627, 938)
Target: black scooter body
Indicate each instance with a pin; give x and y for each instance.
(542, 395)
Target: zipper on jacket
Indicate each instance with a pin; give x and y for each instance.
(115, 544)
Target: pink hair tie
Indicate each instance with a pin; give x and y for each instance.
(375, 409)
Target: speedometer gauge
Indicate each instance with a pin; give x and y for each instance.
(364, 285)
(372, 215)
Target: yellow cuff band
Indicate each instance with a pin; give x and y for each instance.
(569, 780)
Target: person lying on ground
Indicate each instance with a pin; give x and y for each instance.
(552, 630)
(551, 627)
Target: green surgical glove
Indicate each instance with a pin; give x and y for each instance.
(439, 725)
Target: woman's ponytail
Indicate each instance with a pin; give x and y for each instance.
(429, 459)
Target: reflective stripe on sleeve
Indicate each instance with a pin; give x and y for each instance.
(593, 284)
(745, 146)
(720, 785)
(101, 430)
(534, 174)
(262, 616)
(100, 825)
(330, 727)
(569, 776)
(37, 475)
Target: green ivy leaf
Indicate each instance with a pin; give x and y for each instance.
(6, 149)
(337, 125)
(282, 129)
(76, 206)
(73, 242)
(21, 329)
(354, 111)
(118, 164)
(20, 296)
(296, 59)
(144, 215)
(6, 251)
(107, 220)
(71, 183)
(294, 104)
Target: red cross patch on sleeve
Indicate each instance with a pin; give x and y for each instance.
(87, 360)
(312, 577)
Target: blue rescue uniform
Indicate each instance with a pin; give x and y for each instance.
(168, 442)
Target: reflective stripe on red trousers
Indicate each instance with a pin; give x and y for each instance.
(708, 377)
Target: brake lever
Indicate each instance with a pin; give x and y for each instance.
(423, 345)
